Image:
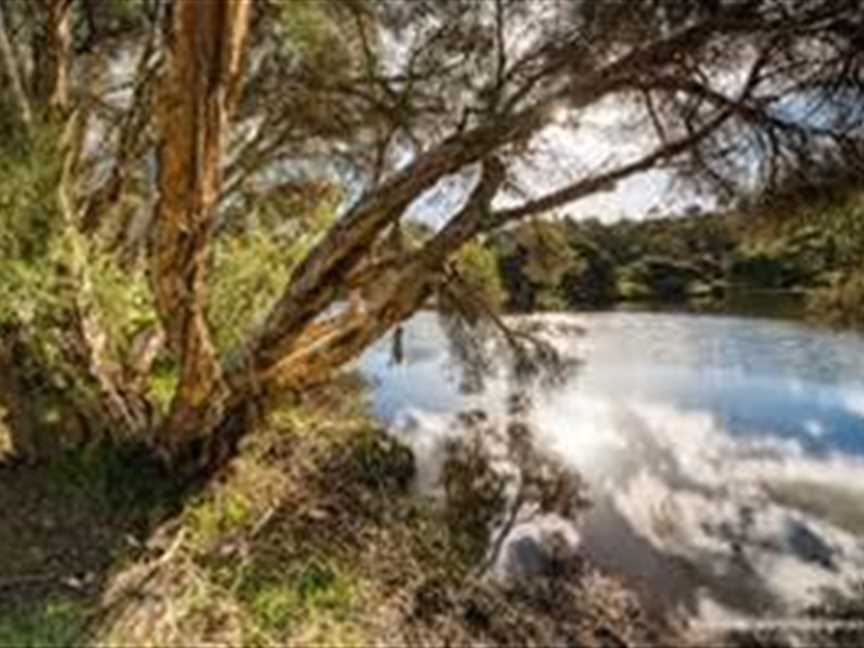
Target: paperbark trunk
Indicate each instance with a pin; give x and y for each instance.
(193, 107)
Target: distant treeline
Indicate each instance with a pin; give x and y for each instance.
(812, 245)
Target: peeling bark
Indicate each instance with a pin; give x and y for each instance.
(121, 412)
(52, 52)
(398, 287)
(194, 103)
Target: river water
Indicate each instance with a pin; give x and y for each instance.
(725, 455)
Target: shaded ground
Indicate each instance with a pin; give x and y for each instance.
(63, 528)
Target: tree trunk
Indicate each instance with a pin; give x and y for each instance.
(193, 105)
(52, 51)
(397, 288)
(13, 72)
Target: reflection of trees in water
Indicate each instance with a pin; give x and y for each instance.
(726, 551)
(482, 346)
(468, 351)
(496, 477)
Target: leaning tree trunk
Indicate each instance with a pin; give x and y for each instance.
(193, 106)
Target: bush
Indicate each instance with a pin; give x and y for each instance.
(478, 266)
(842, 303)
(249, 272)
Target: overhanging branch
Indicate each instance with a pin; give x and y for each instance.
(605, 181)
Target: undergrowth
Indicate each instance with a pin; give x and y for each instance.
(55, 622)
(311, 535)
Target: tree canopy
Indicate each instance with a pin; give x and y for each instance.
(181, 134)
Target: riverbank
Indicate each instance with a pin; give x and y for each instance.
(310, 536)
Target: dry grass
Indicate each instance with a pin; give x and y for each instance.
(311, 536)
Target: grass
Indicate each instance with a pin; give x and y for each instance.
(55, 622)
(316, 591)
(309, 536)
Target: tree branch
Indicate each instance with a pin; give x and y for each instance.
(605, 181)
(12, 70)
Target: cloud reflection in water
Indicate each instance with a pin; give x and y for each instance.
(726, 455)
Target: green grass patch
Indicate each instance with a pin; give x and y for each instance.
(56, 622)
(212, 518)
(163, 382)
(315, 592)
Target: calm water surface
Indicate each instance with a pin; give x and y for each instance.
(725, 454)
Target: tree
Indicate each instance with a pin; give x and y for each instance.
(263, 107)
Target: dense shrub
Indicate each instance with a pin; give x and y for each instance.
(842, 303)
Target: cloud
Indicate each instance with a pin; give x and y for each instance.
(722, 490)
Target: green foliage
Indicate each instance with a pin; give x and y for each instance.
(477, 265)
(311, 28)
(305, 25)
(248, 273)
(212, 519)
(661, 277)
(123, 299)
(317, 589)
(56, 622)
(50, 276)
(250, 270)
(163, 381)
(841, 303)
(812, 247)
(322, 587)
(39, 283)
(32, 251)
(548, 253)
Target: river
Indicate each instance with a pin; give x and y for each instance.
(725, 455)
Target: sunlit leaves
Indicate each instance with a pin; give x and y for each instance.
(251, 269)
(549, 254)
(31, 251)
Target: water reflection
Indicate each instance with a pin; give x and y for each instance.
(726, 455)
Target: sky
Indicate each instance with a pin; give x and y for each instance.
(606, 134)
(573, 144)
